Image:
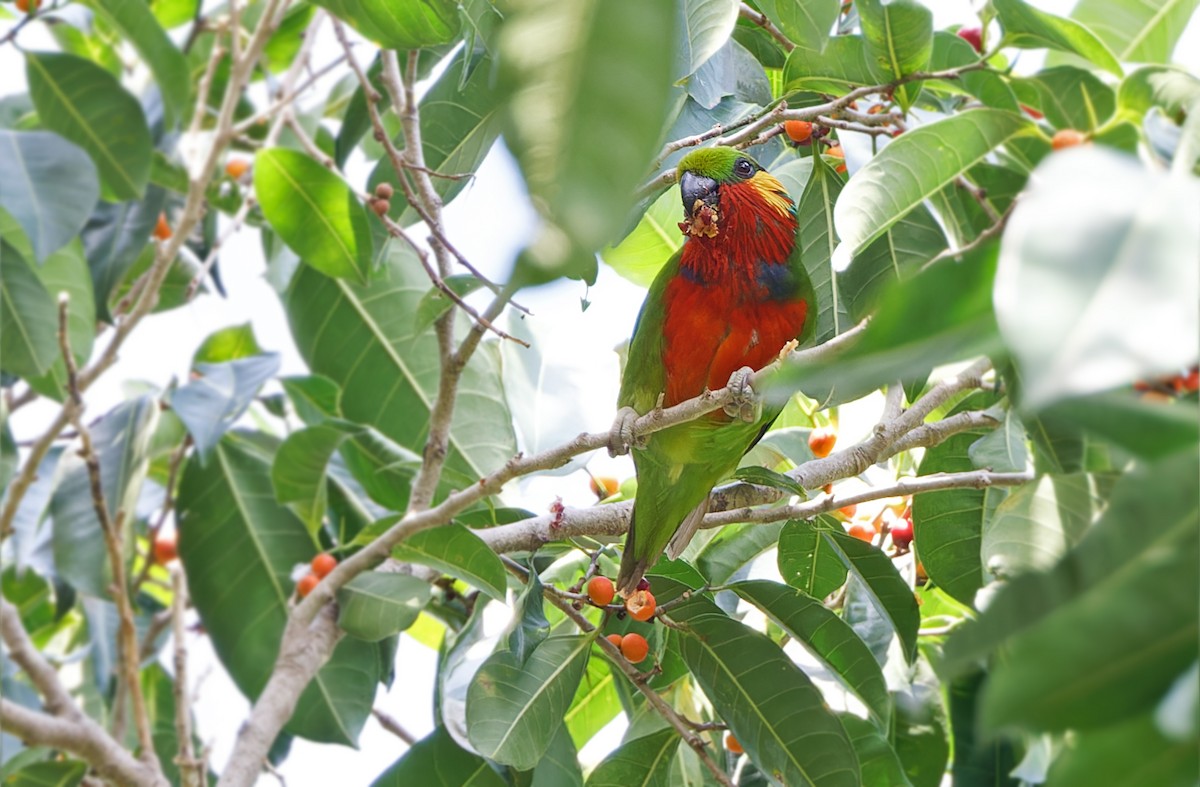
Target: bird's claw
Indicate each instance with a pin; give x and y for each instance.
(620, 437)
(744, 403)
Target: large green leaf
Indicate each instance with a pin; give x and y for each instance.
(1070, 97)
(948, 524)
(515, 708)
(777, 714)
(87, 105)
(877, 760)
(210, 404)
(457, 551)
(408, 25)
(583, 79)
(1118, 545)
(844, 65)
(1103, 757)
(894, 256)
(28, 317)
(239, 548)
(817, 240)
(48, 185)
(437, 761)
(887, 592)
(805, 23)
(315, 213)
(595, 704)
(807, 561)
(1035, 525)
(1030, 28)
(822, 633)
(641, 762)
(459, 124)
(733, 547)
(375, 605)
(1117, 242)
(57, 773)
(914, 167)
(1137, 31)
(363, 338)
(559, 766)
(702, 28)
(899, 38)
(121, 439)
(298, 473)
(656, 237)
(140, 28)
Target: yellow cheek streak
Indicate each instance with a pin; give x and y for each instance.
(772, 191)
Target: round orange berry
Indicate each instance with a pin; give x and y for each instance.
(306, 584)
(733, 744)
(821, 441)
(236, 167)
(799, 131)
(166, 548)
(162, 230)
(615, 639)
(640, 605)
(1067, 138)
(634, 647)
(862, 532)
(322, 564)
(604, 486)
(601, 591)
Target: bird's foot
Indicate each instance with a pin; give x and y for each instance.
(744, 403)
(620, 436)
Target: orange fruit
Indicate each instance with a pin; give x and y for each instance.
(615, 639)
(799, 131)
(166, 548)
(821, 441)
(236, 167)
(25, 6)
(634, 647)
(162, 230)
(733, 744)
(640, 605)
(848, 511)
(862, 532)
(306, 584)
(601, 591)
(837, 152)
(1067, 138)
(322, 564)
(604, 486)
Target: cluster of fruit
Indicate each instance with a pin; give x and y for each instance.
(640, 606)
(801, 132)
(321, 567)
(1170, 385)
(381, 202)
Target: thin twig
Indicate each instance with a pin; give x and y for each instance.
(760, 19)
(190, 768)
(393, 726)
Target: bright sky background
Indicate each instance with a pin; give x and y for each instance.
(489, 222)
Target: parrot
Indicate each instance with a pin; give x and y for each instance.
(729, 301)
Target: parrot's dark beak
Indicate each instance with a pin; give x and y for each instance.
(697, 188)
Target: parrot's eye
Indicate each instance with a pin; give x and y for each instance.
(743, 168)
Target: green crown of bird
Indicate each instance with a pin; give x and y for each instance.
(732, 298)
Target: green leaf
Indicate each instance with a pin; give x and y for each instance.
(364, 340)
(641, 762)
(948, 524)
(806, 24)
(888, 592)
(915, 166)
(459, 124)
(733, 547)
(879, 764)
(210, 404)
(702, 28)
(57, 773)
(87, 105)
(437, 761)
(807, 561)
(776, 713)
(769, 478)
(823, 634)
(1118, 230)
(239, 548)
(298, 473)
(315, 213)
(115, 238)
(457, 551)
(1102, 757)
(921, 737)
(656, 237)
(979, 761)
(817, 241)
(941, 315)
(895, 256)
(578, 81)
(1003, 449)
(1070, 97)
(1115, 547)
(66, 271)
(228, 344)
(28, 319)
(407, 25)
(121, 440)
(1145, 429)
(139, 27)
(1171, 89)
(514, 709)
(375, 605)
(1027, 27)
(559, 766)
(1135, 30)
(435, 303)
(950, 51)
(595, 704)
(1035, 525)
(48, 185)
(844, 65)
(900, 39)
